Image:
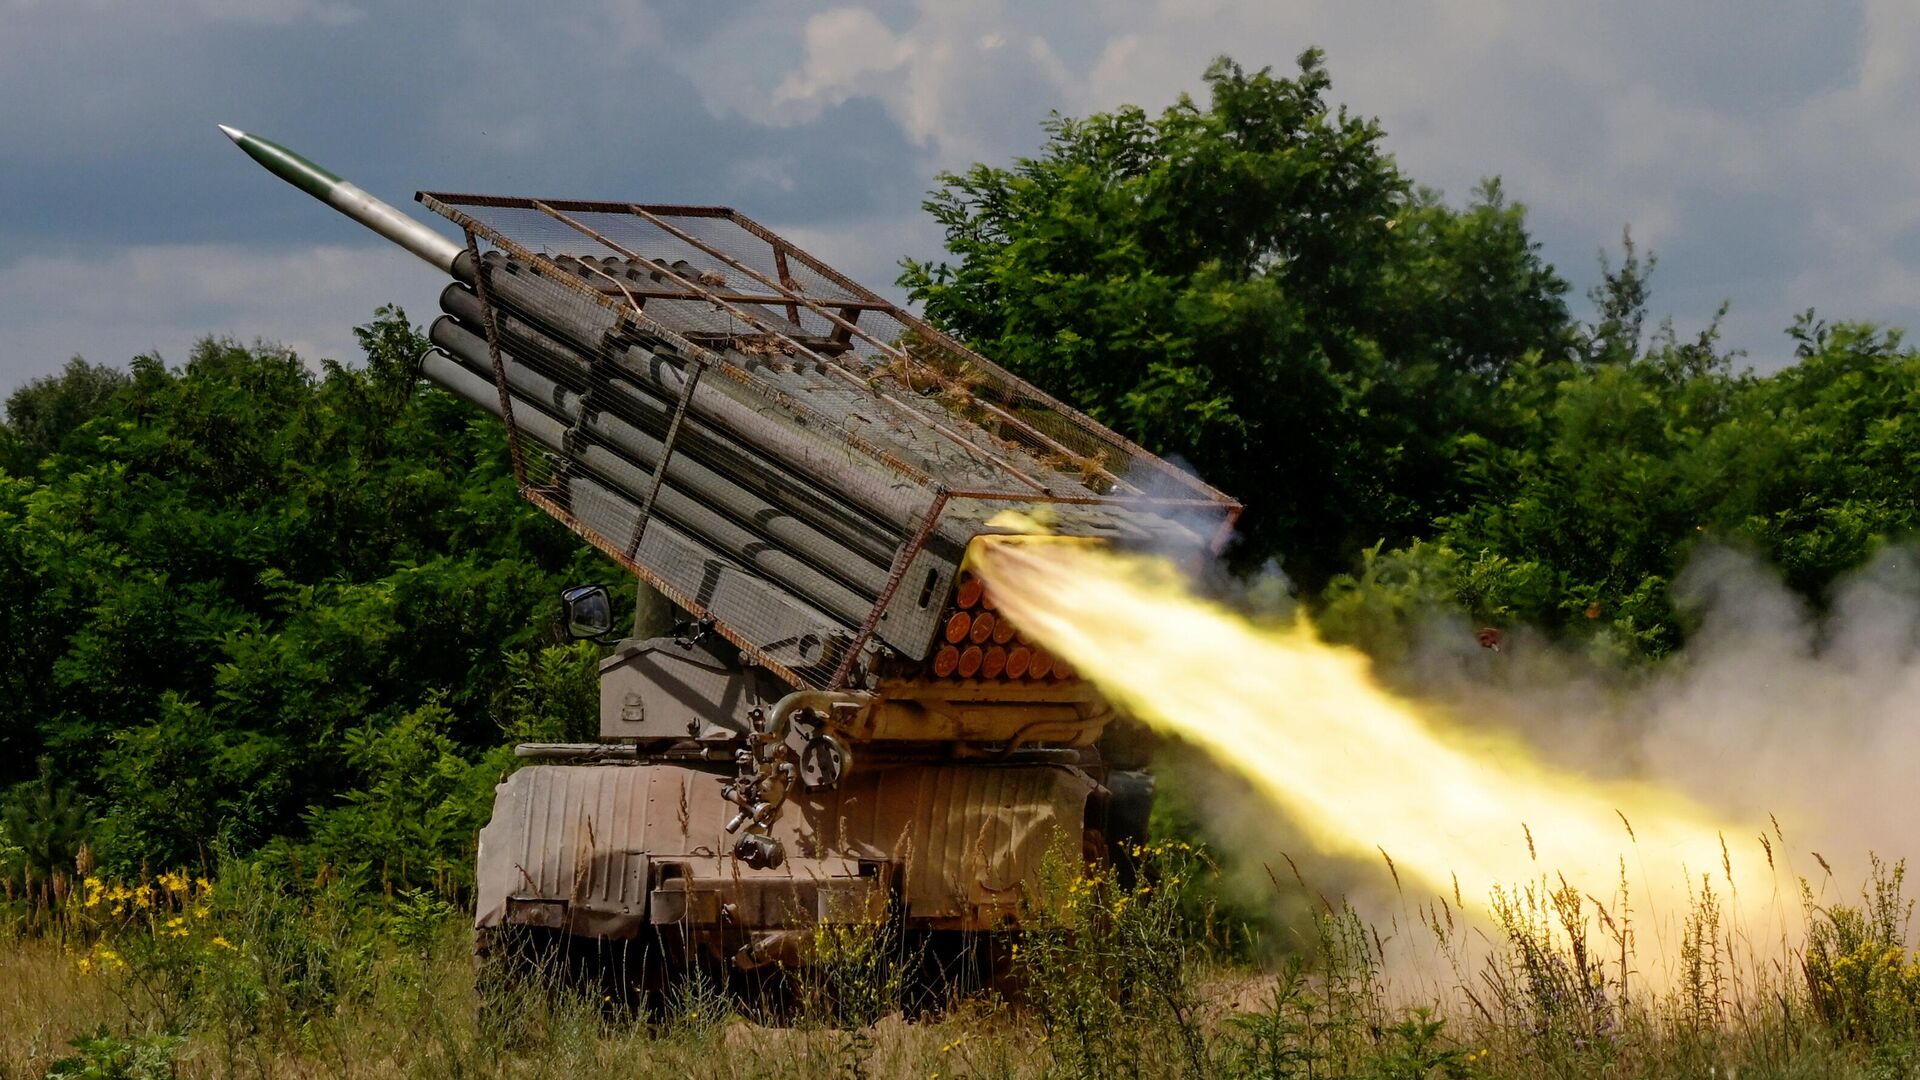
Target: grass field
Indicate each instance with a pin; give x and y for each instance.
(249, 977)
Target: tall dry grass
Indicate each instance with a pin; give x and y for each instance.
(248, 976)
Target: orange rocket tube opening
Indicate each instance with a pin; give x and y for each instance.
(1018, 659)
(993, 662)
(1042, 664)
(970, 660)
(946, 661)
(970, 591)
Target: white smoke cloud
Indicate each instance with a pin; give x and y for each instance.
(1800, 722)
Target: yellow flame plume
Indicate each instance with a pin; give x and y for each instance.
(1359, 769)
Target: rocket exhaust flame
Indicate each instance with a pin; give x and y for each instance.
(1361, 770)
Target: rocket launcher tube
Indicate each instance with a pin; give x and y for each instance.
(727, 537)
(713, 461)
(897, 507)
(348, 198)
(665, 545)
(758, 427)
(786, 604)
(688, 478)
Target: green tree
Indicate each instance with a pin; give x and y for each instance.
(47, 411)
(45, 823)
(232, 570)
(1252, 286)
(1610, 476)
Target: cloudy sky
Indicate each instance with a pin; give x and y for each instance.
(1769, 151)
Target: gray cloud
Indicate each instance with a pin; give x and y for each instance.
(162, 298)
(1765, 150)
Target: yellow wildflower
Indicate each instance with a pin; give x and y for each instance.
(223, 943)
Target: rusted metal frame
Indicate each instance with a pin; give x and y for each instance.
(522, 202)
(791, 292)
(666, 455)
(440, 203)
(686, 348)
(499, 366)
(743, 298)
(697, 290)
(847, 327)
(786, 282)
(1086, 422)
(1097, 500)
(895, 574)
(1225, 532)
(800, 408)
(852, 287)
(843, 335)
(694, 354)
(689, 604)
(980, 454)
(1230, 510)
(632, 301)
(637, 316)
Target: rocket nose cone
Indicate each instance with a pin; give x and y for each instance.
(233, 133)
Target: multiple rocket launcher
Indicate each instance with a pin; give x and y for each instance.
(781, 452)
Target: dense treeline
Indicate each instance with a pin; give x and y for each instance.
(242, 601)
(1255, 288)
(247, 606)
(1252, 286)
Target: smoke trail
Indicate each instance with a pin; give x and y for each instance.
(1362, 771)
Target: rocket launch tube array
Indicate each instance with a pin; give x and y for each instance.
(691, 494)
(781, 533)
(632, 404)
(784, 528)
(739, 483)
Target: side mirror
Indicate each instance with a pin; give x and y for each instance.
(589, 612)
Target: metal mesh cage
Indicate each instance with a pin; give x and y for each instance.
(772, 445)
